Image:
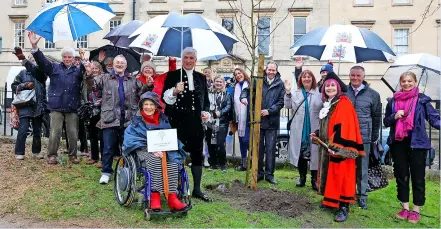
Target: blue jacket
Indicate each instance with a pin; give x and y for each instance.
(65, 85)
(135, 137)
(423, 111)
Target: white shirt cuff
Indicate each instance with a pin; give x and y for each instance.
(169, 98)
(34, 50)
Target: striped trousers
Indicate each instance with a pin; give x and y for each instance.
(154, 165)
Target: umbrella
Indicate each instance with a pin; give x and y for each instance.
(119, 36)
(215, 57)
(71, 19)
(427, 67)
(167, 35)
(131, 56)
(343, 43)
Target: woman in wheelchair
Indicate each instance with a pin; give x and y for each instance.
(162, 166)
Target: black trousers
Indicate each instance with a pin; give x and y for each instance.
(217, 152)
(267, 150)
(96, 137)
(409, 164)
(82, 135)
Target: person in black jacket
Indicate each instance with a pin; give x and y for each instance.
(273, 93)
(30, 78)
(217, 126)
(186, 97)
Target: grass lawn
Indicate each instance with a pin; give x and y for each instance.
(75, 194)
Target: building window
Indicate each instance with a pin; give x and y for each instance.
(228, 24)
(82, 42)
(50, 1)
(113, 24)
(263, 35)
(363, 2)
(299, 28)
(19, 31)
(401, 41)
(399, 2)
(19, 2)
(49, 45)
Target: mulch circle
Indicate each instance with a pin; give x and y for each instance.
(286, 204)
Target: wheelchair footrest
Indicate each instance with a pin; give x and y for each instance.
(167, 212)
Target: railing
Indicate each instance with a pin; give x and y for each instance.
(6, 98)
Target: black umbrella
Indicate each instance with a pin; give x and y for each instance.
(131, 56)
(119, 36)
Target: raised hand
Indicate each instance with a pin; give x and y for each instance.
(287, 86)
(101, 56)
(299, 62)
(34, 39)
(82, 53)
(150, 80)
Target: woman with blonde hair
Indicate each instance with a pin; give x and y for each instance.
(406, 115)
(217, 126)
(240, 115)
(306, 102)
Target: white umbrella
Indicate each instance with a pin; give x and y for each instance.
(427, 68)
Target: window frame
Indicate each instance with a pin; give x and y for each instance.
(409, 3)
(294, 29)
(81, 41)
(222, 18)
(268, 37)
(370, 4)
(14, 41)
(394, 39)
(114, 20)
(20, 2)
(48, 44)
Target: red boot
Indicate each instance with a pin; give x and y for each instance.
(155, 202)
(174, 204)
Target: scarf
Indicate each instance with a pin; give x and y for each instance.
(215, 99)
(240, 109)
(151, 119)
(306, 121)
(405, 101)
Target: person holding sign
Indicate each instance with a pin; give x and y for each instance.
(187, 104)
(163, 166)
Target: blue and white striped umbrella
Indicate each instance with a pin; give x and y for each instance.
(346, 43)
(167, 35)
(71, 19)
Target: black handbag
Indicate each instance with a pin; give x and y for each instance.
(376, 177)
(305, 150)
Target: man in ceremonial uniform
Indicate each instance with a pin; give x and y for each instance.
(186, 97)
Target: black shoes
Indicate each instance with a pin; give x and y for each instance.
(271, 180)
(301, 182)
(363, 204)
(342, 214)
(200, 195)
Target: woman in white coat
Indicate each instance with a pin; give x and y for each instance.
(305, 119)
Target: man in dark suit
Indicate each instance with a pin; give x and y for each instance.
(186, 97)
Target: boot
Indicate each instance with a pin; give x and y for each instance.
(243, 165)
(174, 204)
(314, 180)
(342, 214)
(196, 171)
(155, 202)
(303, 167)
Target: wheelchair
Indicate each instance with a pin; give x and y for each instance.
(131, 180)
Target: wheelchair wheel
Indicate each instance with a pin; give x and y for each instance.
(123, 188)
(184, 187)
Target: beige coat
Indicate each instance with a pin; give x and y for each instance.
(315, 104)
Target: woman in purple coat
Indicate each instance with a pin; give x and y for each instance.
(406, 115)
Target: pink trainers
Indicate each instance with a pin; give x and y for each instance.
(403, 214)
(413, 217)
